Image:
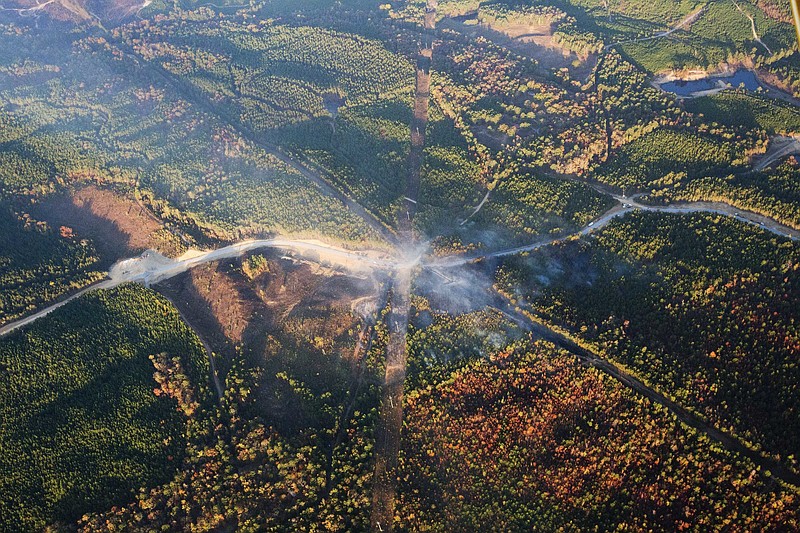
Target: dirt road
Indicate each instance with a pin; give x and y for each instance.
(312, 172)
(11, 326)
(212, 366)
(151, 267)
(624, 206)
(779, 148)
(756, 37)
(390, 423)
(686, 21)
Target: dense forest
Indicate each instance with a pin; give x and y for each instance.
(95, 406)
(702, 307)
(290, 445)
(748, 111)
(245, 475)
(257, 393)
(39, 263)
(189, 85)
(527, 438)
(106, 122)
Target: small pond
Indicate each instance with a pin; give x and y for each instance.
(739, 78)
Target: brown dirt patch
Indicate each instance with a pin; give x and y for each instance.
(218, 303)
(66, 10)
(312, 304)
(115, 10)
(81, 10)
(541, 34)
(492, 139)
(119, 226)
(534, 41)
(290, 303)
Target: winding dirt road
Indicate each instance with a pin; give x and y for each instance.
(11, 326)
(779, 148)
(756, 37)
(151, 267)
(624, 206)
(686, 21)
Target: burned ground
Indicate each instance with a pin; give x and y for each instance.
(282, 305)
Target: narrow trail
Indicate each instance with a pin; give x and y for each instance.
(687, 20)
(207, 347)
(727, 440)
(363, 346)
(478, 207)
(752, 27)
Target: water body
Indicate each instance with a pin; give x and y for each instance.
(746, 78)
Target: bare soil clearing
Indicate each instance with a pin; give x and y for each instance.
(534, 41)
(79, 10)
(119, 226)
(217, 304)
(288, 296)
(779, 148)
